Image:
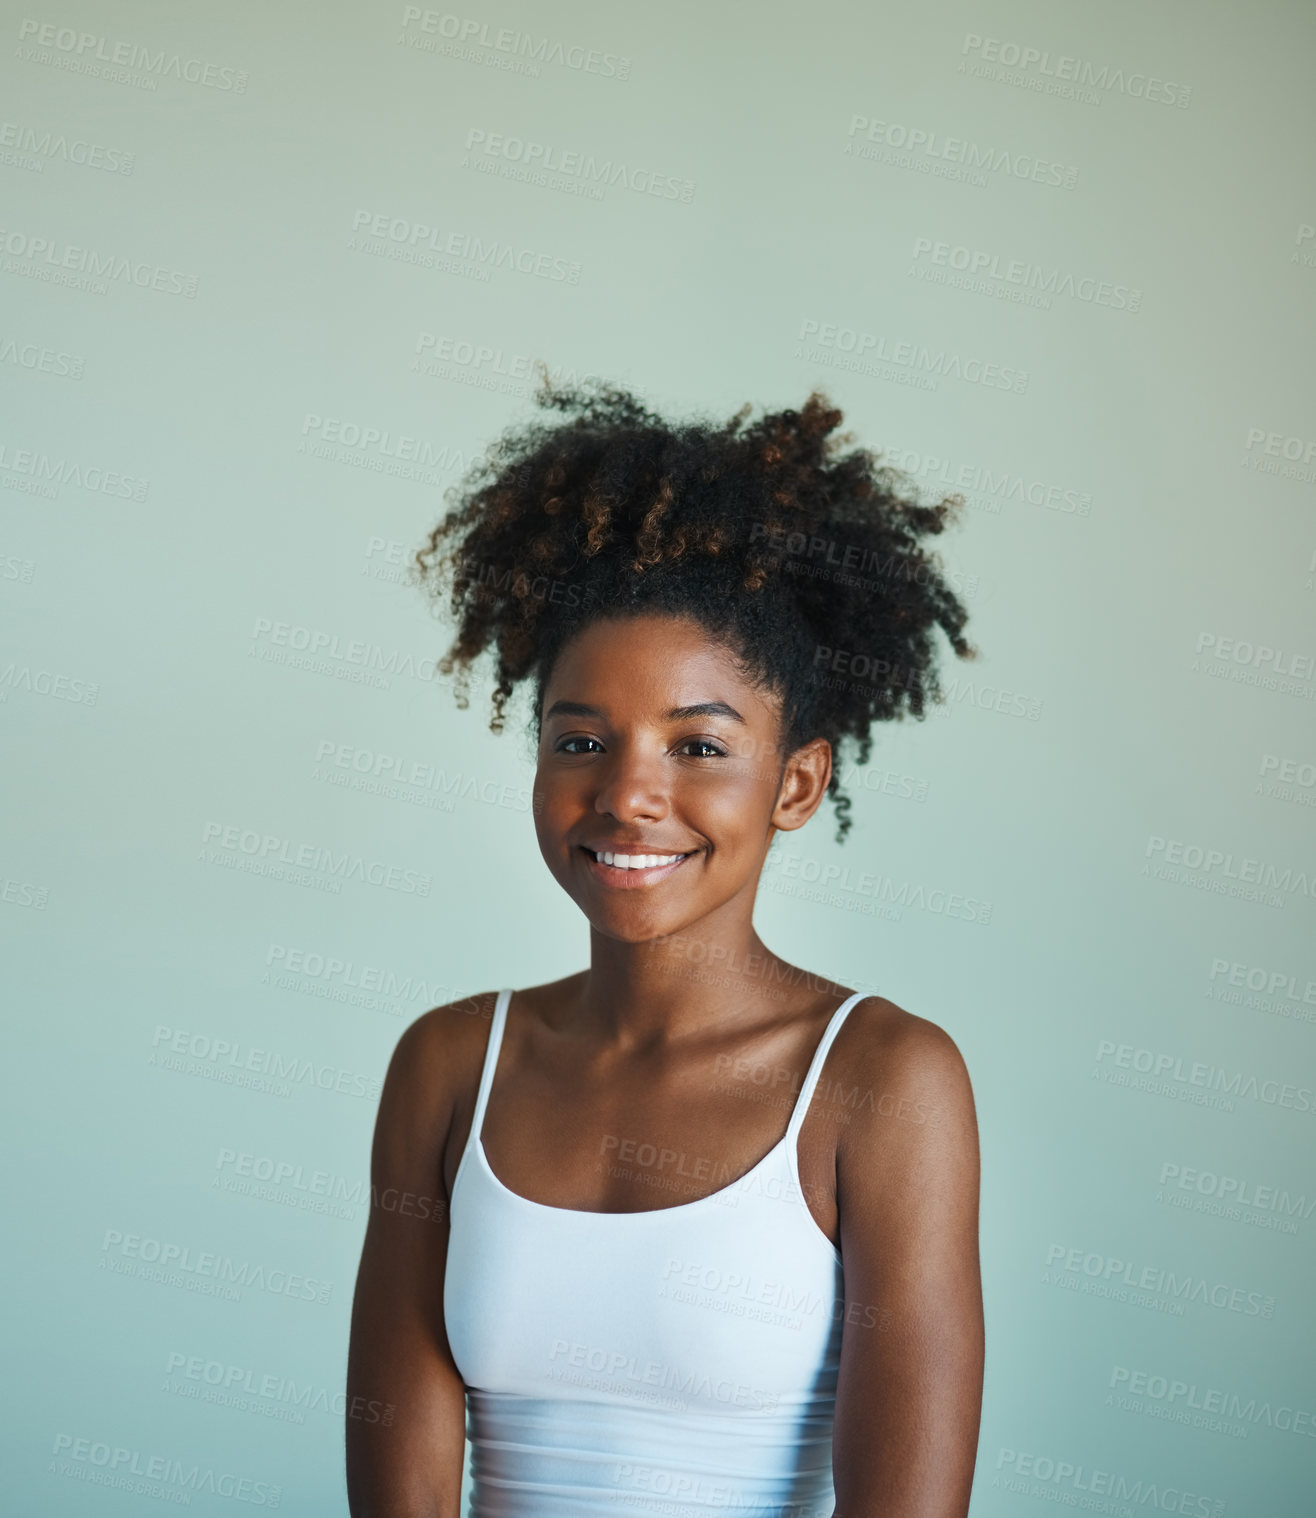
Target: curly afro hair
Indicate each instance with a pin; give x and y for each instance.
(801, 559)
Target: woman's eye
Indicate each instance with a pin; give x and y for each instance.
(704, 747)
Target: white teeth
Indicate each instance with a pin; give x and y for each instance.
(637, 861)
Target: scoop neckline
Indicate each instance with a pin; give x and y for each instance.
(476, 1138)
(590, 1212)
(658, 1212)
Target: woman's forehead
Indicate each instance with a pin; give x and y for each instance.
(661, 663)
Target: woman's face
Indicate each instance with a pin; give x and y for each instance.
(653, 744)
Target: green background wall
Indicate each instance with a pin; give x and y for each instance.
(271, 276)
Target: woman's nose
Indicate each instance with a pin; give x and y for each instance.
(631, 786)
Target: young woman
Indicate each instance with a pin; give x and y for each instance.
(589, 1232)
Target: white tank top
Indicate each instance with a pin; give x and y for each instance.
(679, 1361)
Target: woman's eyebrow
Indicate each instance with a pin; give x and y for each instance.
(673, 714)
(704, 709)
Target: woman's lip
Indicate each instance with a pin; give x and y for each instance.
(629, 880)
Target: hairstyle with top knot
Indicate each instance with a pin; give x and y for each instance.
(801, 559)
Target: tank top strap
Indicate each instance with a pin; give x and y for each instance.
(490, 1062)
(815, 1067)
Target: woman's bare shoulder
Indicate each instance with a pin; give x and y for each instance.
(881, 1020)
(449, 1041)
(452, 1023)
(436, 1058)
(910, 1064)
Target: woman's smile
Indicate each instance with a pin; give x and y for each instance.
(629, 872)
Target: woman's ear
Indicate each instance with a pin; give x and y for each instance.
(803, 785)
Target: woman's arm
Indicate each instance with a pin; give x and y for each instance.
(398, 1357)
(909, 1394)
